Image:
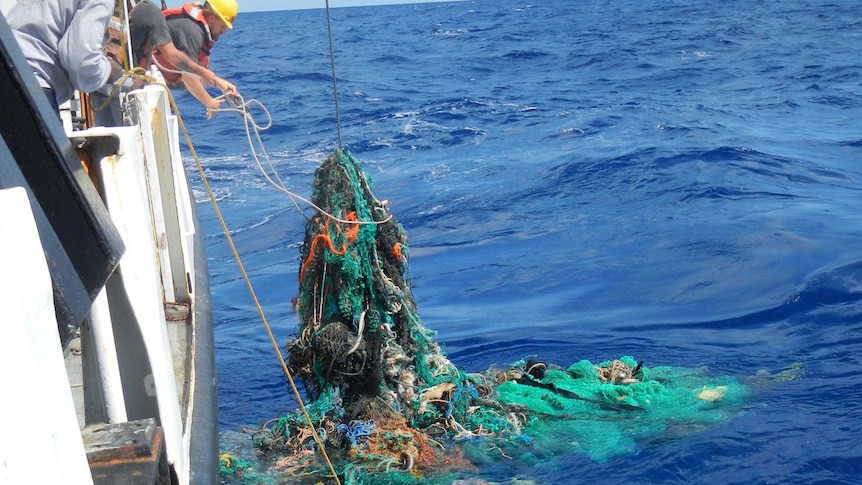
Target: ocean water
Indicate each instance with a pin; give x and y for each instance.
(676, 181)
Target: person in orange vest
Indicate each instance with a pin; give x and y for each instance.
(149, 31)
(194, 28)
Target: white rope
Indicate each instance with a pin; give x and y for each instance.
(175, 71)
(360, 328)
(239, 105)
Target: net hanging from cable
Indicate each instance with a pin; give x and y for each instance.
(390, 407)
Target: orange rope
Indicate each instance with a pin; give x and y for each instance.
(351, 234)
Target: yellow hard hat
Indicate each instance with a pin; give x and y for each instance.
(225, 9)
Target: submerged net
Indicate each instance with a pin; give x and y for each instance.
(390, 407)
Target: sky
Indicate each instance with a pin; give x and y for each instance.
(264, 5)
(258, 5)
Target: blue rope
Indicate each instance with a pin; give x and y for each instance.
(469, 389)
(357, 429)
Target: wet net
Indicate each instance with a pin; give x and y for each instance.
(390, 407)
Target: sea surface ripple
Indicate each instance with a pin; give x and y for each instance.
(675, 181)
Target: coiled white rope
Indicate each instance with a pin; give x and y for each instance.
(238, 104)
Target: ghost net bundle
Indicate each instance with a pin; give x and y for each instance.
(389, 406)
(367, 362)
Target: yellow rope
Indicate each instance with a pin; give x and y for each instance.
(125, 34)
(138, 72)
(251, 288)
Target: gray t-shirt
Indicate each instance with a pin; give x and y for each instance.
(148, 29)
(188, 35)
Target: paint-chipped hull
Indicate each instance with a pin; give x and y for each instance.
(137, 286)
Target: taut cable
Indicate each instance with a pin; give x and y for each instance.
(334, 83)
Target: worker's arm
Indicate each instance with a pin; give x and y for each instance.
(200, 93)
(183, 63)
(80, 49)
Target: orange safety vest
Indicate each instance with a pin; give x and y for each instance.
(196, 13)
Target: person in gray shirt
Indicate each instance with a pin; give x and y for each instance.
(149, 32)
(148, 36)
(194, 28)
(62, 41)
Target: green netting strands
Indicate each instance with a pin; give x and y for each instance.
(390, 407)
(588, 402)
(359, 328)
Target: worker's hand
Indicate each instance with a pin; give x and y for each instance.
(116, 70)
(138, 83)
(212, 107)
(228, 88)
(130, 82)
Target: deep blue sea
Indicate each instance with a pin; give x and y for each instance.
(676, 181)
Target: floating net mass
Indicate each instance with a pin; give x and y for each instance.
(390, 407)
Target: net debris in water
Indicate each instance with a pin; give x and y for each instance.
(390, 407)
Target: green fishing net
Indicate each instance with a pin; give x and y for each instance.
(388, 405)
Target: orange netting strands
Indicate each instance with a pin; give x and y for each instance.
(350, 236)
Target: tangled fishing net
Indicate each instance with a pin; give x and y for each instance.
(390, 407)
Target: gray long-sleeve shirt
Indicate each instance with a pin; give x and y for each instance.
(62, 40)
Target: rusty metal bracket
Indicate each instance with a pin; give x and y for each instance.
(127, 453)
